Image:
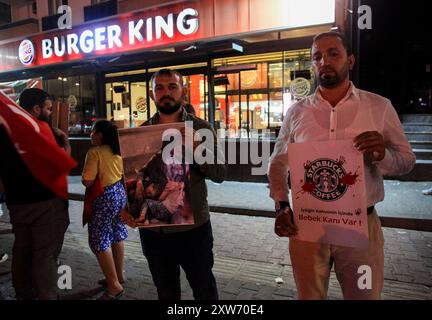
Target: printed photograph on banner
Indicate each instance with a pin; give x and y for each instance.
(329, 192)
(155, 175)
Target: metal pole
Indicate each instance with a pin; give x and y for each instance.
(211, 103)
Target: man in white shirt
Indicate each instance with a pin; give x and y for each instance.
(337, 110)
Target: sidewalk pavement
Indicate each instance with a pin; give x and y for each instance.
(248, 255)
(402, 199)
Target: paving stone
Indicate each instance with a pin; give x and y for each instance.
(250, 286)
(246, 253)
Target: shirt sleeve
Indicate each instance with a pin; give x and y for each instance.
(90, 169)
(278, 166)
(399, 158)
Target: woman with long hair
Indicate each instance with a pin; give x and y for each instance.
(104, 166)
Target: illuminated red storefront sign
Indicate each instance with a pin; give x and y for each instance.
(156, 28)
(123, 36)
(125, 33)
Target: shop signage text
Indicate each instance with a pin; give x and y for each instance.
(138, 31)
(176, 24)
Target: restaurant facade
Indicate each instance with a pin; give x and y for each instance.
(244, 62)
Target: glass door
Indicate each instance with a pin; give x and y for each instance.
(128, 101)
(197, 94)
(139, 103)
(118, 104)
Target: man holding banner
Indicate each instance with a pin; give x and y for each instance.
(33, 170)
(337, 111)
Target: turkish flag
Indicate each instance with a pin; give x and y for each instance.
(37, 146)
(91, 194)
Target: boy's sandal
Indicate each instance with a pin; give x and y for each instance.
(108, 296)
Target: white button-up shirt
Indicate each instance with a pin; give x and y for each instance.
(314, 119)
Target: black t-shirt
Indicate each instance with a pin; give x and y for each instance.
(21, 187)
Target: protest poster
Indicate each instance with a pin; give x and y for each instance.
(328, 192)
(158, 191)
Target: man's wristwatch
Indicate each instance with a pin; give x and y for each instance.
(282, 206)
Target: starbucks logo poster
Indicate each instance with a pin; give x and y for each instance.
(328, 192)
(326, 179)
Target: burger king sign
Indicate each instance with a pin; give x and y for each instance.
(26, 52)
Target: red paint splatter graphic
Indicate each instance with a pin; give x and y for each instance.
(306, 187)
(349, 179)
(341, 160)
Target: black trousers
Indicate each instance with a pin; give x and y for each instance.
(39, 230)
(192, 250)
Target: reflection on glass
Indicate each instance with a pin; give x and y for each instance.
(119, 104)
(265, 92)
(78, 93)
(276, 110)
(138, 103)
(13, 89)
(196, 95)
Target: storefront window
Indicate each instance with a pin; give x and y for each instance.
(275, 75)
(13, 89)
(197, 94)
(227, 116)
(138, 103)
(118, 104)
(264, 90)
(276, 109)
(78, 94)
(128, 102)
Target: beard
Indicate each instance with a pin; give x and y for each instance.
(43, 117)
(168, 108)
(333, 79)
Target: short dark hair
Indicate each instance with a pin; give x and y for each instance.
(109, 134)
(336, 34)
(33, 96)
(166, 72)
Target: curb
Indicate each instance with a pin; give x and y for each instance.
(388, 222)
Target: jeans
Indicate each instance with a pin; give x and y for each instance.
(39, 230)
(192, 250)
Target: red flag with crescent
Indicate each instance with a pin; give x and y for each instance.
(35, 143)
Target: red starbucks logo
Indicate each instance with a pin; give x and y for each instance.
(325, 178)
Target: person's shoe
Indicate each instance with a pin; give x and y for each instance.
(3, 257)
(108, 296)
(427, 192)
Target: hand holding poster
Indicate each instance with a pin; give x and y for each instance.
(328, 192)
(157, 190)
